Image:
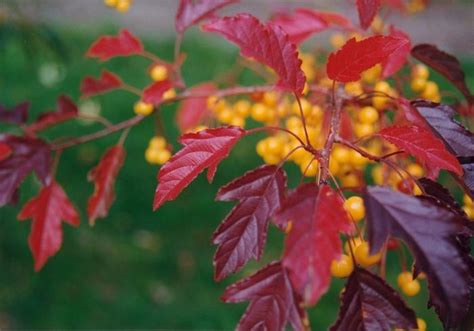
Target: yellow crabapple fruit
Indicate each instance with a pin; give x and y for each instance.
(170, 94)
(111, 3)
(363, 257)
(420, 71)
(343, 267)
(368, 115)
(418, 84)
(159, 73)
(143, 108)
(354, 243)
(355, 208)
(157, 142)
(259, 112)
(242, 108)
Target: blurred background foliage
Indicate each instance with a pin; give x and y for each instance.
(136, 268)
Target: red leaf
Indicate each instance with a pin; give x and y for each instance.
(47, 211)
(446, 64)
(409, 112)
(334, 19)
(107, 47)
(154, 93)
(431, 232)
(242, 234)
(423, 145)
(205, 149)
(367, 10)
(300, 25)
(28, 154)
(104, 176)
(66, 109)
(193, 111)
(108, 81)
(5, 151)
(273, 302)
(17, 115)
(370, 304)
(397, 59)
(347, 64)
(313, 242)
(190, 13)
(268, 44)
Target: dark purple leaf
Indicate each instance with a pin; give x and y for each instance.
(370, 304)
(242, 234)
(441, 119)
(455, 136)
(17, 115)
(28, 155)
(273, 302)
(431, 233)
(445, 64)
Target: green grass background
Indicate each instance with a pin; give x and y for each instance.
(136, 268)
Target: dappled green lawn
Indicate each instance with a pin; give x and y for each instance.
(135, 269)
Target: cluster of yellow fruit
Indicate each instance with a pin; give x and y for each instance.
(157, 151)
(409, 286)
(230, 113)
(402, 181)
(420, 84)
(468, 207)
(357, 250)
(157, 73)
(122, 6)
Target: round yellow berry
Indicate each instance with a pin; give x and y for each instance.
(341, 154)
(151, 155)
(354, 243)
(353, 88)
(469, 210)
(270, 99)
(350, 180)
(262, 147)
(170, 94)
(357, 159)
(467, 200)
(163, 156)
(305, 107)
(225, 115)
(411, 288)
(343, 267)
(159, 73)
(143, 108)
(363, 130)
(211, 101)
(237, 121)
(309, 167)
(157, 142)
(415, 170)
(421, 324)
(259, 112)
(418, 84)
(363, 257)
(431, 91)
(242, 108)
(404, 277)
(420, 71)
(368, 115)
(355, 207)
